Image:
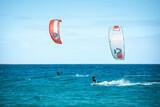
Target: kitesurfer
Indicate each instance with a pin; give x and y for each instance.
(94, 79)
(58, 73)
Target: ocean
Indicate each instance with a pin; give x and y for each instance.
(117, 85)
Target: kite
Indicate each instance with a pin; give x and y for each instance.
(54, 30)
(116, 41)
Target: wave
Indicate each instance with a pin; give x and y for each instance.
(80, 75)
(137, 75)
(123, 82)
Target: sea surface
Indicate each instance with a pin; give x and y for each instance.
(117, 85)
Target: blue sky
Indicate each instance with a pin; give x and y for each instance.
(24, 36)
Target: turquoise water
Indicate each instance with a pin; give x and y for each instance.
(117, 86)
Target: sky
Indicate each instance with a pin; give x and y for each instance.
(25, 39)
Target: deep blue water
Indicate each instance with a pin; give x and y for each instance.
(117, 85)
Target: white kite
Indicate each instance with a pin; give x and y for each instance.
(116, 41)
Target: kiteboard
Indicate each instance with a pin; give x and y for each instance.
(116, 42)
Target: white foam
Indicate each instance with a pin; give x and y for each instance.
(138, 75)
(123, 82)
(80, 75)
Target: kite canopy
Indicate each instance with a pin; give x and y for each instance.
(116, 41)
(54, 30)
